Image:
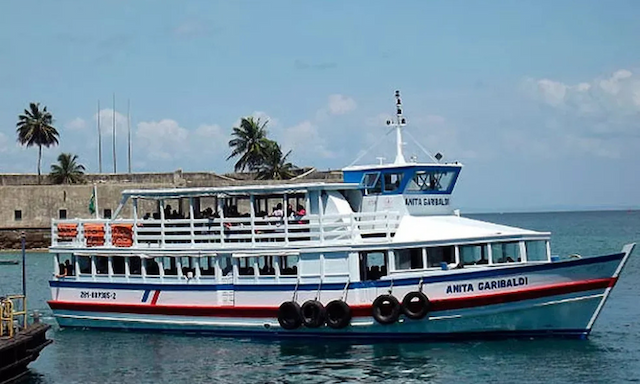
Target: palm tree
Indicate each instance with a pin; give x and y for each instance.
(275, 166)
(34, 128)
(250, 143)
(67, 171)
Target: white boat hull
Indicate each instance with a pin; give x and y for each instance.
(549, 299)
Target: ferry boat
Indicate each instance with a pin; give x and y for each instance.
(380, 255)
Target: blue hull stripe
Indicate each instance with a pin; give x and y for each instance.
(146, 295)
(340, 286)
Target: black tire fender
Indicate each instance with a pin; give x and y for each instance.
(386, 309)
(289, 315)
(338, 314)
(313, 314)
(416, 305)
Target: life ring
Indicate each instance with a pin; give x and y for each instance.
(416, 305)
(289, 315)
(313, 313)
(386, 309)
(338, 314)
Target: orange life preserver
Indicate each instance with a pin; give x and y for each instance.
(122, 235)
(94, 234)
(67, 231)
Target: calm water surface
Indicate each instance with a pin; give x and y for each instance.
(611, 355)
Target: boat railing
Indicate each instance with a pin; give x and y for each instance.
(11, 308)
(221, 232)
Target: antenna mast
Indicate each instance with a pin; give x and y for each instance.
(398, 124)
(129, 131)
(99, 141)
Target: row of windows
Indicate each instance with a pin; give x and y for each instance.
(179, 266)
(373, 264)
(422, 181)
(62, 214)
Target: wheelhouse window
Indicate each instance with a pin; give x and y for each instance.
(506, 252)
(474, 254)
(432, 181)
(372, 183)
(373, 265)
(536, 250)
(392, 181)
(409, 258)
(438, 255)
(170, 266)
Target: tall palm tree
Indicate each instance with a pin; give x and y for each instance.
(275, 166)
(67, 171)
(250, 143)
(35, 127)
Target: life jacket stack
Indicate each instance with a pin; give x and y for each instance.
(94, 234)
(67, 231)
(122, 235)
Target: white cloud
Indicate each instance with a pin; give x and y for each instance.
(614, 95)
(106, 122)
(162, 140)
(76, 124)
(340, 104)
(305, 141)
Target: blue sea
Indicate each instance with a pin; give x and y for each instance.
(610, 355)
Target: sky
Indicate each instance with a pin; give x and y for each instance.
(539, 100)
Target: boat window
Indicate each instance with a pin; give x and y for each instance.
(392, 181)
(118, 265)
(246, 266)
(102, 265)
(135, 266)
(410, 258)
(432, 181)
(372, 183)
(170, 268)
(373, 265)
(84, 262)
(536, 250)
(288, 265)
(151, 267)
(265, 266)
(226, 266)
(505, 252)
(474, 254)
(187, 265)
(207, 266)
(438, 255)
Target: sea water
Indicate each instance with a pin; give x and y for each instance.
(610, 355)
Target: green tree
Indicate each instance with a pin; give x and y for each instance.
(275, 166)
(35, 127)
(250, 143)
(67, 171)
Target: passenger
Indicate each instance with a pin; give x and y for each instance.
(62, 269)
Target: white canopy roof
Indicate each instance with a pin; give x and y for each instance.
(456, 229)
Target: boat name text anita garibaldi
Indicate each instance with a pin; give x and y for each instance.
(488, 285)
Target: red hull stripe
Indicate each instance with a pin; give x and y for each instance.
(357, 310)
(155, 297)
